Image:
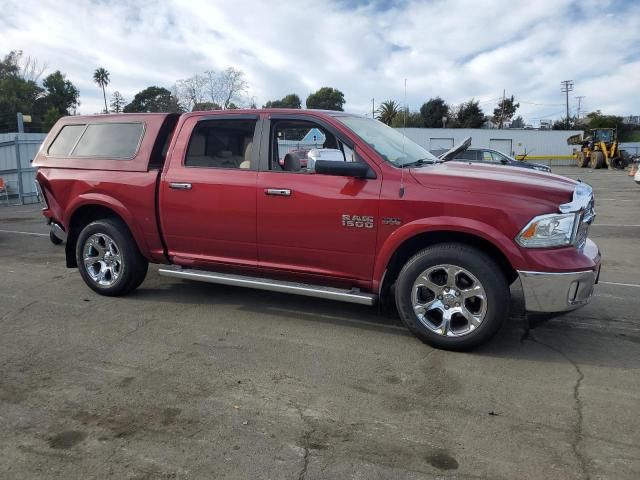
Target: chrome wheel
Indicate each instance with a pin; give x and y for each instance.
(102, 259)
(449, 300)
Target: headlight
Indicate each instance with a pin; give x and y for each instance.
(554, 230)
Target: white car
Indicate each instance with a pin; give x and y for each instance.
(637, 177)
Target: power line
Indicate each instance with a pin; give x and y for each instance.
(541, 104)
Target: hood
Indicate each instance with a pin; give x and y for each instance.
(452, 152)
(499, 180)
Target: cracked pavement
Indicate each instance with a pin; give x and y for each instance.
(183, 380)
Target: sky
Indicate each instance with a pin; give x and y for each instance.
(455, 49)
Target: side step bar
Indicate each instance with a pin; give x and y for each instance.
(352, 296)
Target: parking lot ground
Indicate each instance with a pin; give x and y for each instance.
(187, 380)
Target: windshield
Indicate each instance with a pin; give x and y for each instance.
(390, 144)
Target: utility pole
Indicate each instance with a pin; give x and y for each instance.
(504, 93)
(20, 121)
(567, 86)
(373, 108)
(579, 97)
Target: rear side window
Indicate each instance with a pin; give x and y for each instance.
(66, 140)
(110, 140)
(467, 155)
(221, 143)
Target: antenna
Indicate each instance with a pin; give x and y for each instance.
(404, 126)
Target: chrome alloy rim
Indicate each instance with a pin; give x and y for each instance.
(102, 259)
(449, 300)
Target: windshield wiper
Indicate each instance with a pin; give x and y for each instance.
(419, 162)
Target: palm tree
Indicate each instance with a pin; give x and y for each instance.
(101, 77)
(388, 111)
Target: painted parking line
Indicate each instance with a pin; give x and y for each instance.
(613, 225)
(25, 233)
(620, 284)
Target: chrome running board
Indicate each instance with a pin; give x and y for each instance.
(352, 296)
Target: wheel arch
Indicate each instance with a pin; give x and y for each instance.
(89, 210)
(394, 254)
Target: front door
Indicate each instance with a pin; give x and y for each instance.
(208, 192)
(312, 223)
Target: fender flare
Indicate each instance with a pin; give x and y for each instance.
(113, 204)
(444, 224)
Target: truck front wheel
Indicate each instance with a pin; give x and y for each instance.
(452, 296)
(108, 258)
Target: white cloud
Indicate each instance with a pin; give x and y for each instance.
(457, 49)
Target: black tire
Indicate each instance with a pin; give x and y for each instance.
(581, 159)
(55, 240)
(597, 160)
(132, 267)
(618, 163)
(474, 261)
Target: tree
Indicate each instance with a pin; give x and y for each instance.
(204, 106)
(226, 87)
(191, 91)
(505, 110)
(16, 93)
(50, 118)
(326, 98)
(288, 101)
(387, 111)
(101, 77)
(61, 94)
(154, 99)
(30, 69)
(117, 102)
(433, 112)
(468, 115)
(406, 118)
(564, 124)
(517, 122)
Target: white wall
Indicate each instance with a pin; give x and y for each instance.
(538, 143)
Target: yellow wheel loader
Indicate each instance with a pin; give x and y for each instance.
(599, 149)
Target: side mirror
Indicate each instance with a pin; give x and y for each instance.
(342, 169)
(504, 161)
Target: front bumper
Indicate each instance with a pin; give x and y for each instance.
(557, 292)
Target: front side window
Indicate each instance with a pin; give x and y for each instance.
(297, 144)
(110, 140)
(487, 156)
(389, 143)
(223, 143)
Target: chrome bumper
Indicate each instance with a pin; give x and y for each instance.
(557, 292)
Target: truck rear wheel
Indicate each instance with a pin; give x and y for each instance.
(108, 258)
(452, 296)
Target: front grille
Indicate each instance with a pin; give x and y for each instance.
(581, 235)
(586, 219)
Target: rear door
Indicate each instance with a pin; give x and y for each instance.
(311, 223)
(208, 191)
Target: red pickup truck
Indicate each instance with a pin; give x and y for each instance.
(369, 216)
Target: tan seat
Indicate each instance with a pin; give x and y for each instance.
(248, 153)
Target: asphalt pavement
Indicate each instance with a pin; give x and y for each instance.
(183, 380)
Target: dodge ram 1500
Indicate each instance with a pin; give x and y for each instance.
(217, 197)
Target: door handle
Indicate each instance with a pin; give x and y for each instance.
(278, 192)
(180, 186)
